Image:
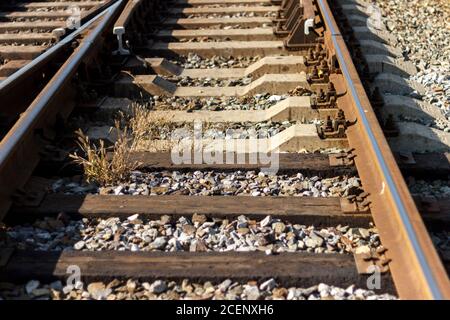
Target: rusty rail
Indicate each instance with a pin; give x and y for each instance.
(415, 265)
(119, 27)
(417, 270)
(132, 15)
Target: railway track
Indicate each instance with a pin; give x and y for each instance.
(28, 29)
(228, 149)
(35, 39)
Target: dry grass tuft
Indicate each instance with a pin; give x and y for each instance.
(98, 166)
(135, 132)
(146, 125)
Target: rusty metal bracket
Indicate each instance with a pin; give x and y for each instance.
(341, 159)
(325, 100)
(373, 261)
(303, 32)
(296, 21)
(288, 9)
(315, 76)
(358, 200)
(315, 55)
(319, 103)
(333, 128)
(355, 204)
(348, 207)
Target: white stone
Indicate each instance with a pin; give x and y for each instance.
(158, 287)
(266, 221)
(268, 285)
(133, 217)
(79, 245)
(31, 285)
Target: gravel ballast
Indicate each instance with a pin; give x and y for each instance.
(423, 34)
(194, 234)
(219, 183)
(185, 290)
(194, 61)
(260, 101)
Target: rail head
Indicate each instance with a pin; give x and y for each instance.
(127, 13)
(394, 210)
(124, 19)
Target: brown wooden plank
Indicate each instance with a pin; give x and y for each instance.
(306, 163)
(210, 49)
(21, 52)
(26, 38)
(222, 22)
(304, 210)
(300, 269)
(256, 34)
(52, 4)
(12, 66)
(219, 2)
(35, 14)
(224, 10)
(34, 25)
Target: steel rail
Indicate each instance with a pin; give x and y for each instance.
(122, 21)
(48, 54)
(13, 143)
(33, 76)
(432, 277)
